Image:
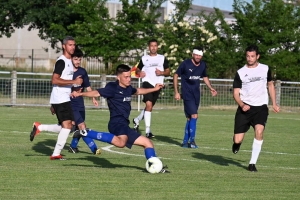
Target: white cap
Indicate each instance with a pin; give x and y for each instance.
(198, 52)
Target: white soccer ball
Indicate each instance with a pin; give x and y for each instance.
(154, 165)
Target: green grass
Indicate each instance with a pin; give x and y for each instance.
(210, 172)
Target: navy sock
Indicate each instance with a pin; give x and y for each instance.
(90, 143)
(74, 142)
(193, 123)
(101, 136)
(186, 132)
(149, 152)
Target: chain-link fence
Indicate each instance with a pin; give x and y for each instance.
(33, 89)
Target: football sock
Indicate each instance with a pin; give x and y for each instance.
(193, 122)
(50, 127)
(61, 141)
(149, 152)
(147, 117)
(256, 148)
(186, 132)
(74, 142)
(141, 116)
(101, 136)
(90, 143)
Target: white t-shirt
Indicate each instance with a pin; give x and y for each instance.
(64, 67)
(253, 84)
(148, 64)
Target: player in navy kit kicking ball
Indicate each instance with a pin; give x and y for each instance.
(118, 95)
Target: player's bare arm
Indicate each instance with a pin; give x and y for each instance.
(175, 84)
(272, 93)
(93, 93)
(56, 80)
(212, 90)
(95, 102)
(149, 90)
(236, 96)
(166, 72)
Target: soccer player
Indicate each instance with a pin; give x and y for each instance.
(190, 71)
(118, 95)
(62, 80)
(250, 93)
(152, 69)
(77, 107)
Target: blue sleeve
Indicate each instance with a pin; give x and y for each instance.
(180, 69)
(133, 91)
(86, 80)
(108, 91)
(204, 74)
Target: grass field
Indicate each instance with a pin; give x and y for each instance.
(210, 172)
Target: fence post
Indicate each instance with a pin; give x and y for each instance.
(32, 60)
(13, 96)
(103, 83)
(278, 91)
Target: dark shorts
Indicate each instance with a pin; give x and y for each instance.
(63, 112)
(153, 96)
(79, 116)
(256, 115)
(124, 129)
(190, 107)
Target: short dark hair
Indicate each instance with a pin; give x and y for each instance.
(198, 48)
(122, 68)
(252, 48)
(152, 40)
(77, 53)
(67, 38)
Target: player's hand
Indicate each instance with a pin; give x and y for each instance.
(177, 96)
(77, 81)
(158, 86)
(213, 92)
(245, 107)
(95, 102)
(142, 74)
(75, 94)
(158, 72)
(52, 110)
(276, 108)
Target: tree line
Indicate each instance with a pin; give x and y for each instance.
(272, 25)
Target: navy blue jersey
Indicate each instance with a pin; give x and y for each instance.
(78, 103)
(190, 79)
(118, 100)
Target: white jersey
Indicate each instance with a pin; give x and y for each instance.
(61, 94)
(148, 64)
(253, 84)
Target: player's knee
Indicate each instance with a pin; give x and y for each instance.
(148, 143)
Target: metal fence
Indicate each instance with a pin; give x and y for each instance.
(33, 89)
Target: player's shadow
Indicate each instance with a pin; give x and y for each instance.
(219, 160)
(163, 138)
(102, 163)
(44, 147)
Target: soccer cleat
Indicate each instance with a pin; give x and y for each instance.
(193, 145)
(97, 152)
(35, 131)
(135, 125)
(236, 147)
(149, 135)
(185, 145)
(59, 157)
(164, 170)
(73, 150)
(252, 168)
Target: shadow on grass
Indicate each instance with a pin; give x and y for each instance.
(102, 163)
(219, 160)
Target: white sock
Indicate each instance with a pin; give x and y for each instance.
(256, 147)
(147, 118)
(50, 127)
(61, 141)
(140, 117)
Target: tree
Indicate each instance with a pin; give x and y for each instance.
(274, 27)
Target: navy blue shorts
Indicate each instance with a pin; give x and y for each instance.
(124, 129)
(79, 116)
(190, 107)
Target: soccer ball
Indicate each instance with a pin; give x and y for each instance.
(154, 165)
